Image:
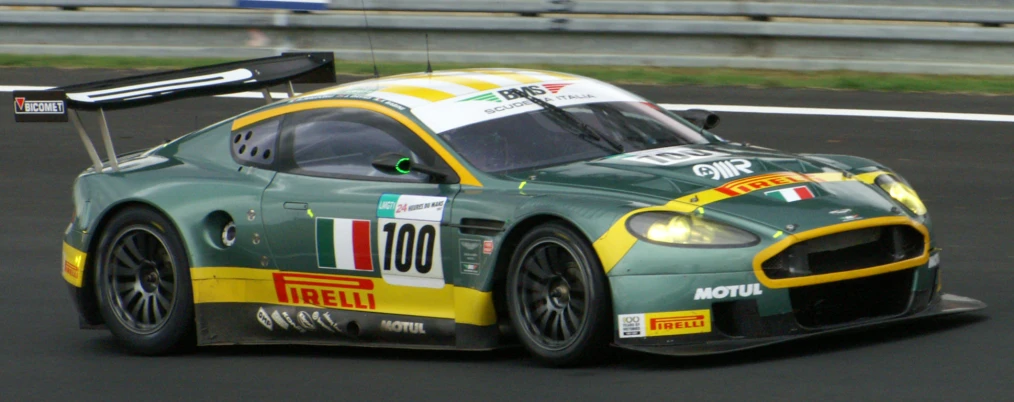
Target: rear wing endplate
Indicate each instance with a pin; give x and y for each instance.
(61, 104)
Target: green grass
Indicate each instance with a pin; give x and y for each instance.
(843, 80)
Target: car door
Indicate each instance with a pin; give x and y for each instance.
(349, 236)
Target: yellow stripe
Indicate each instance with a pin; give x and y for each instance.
(473, 307)
(617, 241)
(614, 245)
(73, 265)
(429, 94)
(869, 178)
(828, 177)
(252, 285)
(476, 84)
(776, 248)
(702, 198)
(463, 173)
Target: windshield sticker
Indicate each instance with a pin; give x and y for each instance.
(484, 106)
(677, 155)
(356, 93)
(723, 169)
(350, 92)
(411, 207)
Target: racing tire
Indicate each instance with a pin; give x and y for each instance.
(142, 282)
(557, 297)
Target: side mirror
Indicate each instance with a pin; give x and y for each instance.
(700, 117)
(395, 163)
(392, 162)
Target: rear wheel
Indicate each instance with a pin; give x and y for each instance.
(557, 297)
(143, 283)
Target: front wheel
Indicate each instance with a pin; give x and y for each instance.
(557, 297)
(142, 279)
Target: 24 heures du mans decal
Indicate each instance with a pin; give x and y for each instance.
(408, 240)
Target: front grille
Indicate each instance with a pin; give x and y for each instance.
(846, 251)
(852, 300)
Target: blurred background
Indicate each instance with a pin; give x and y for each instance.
(898, 36)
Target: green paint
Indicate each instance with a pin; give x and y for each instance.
(487, 97)
(325, 243)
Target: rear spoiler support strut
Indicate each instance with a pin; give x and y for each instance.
(108, 141)
(89, 146)
(62, 104)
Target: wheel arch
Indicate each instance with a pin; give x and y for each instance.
(508, 246)
(90, 306)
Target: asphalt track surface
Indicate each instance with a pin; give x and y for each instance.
(963, 171)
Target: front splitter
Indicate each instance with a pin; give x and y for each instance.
(946, 304)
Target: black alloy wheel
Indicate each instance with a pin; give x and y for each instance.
(143, 283)
(557, 297)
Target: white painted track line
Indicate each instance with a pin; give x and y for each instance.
(896, 114)
(892, 114)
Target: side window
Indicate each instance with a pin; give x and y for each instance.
(255, 145)
(344, 142)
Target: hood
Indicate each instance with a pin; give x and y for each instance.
(765, 186)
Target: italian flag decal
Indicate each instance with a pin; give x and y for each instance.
(344, 244)
(791, 194)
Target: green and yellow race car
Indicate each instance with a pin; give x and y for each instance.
(474, 209)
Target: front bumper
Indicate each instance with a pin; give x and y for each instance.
(695, 314)
(944, 304)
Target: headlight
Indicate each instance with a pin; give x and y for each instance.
(902, 193)
(676, 229)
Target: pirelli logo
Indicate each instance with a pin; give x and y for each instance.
(679, 322)
(664, 323)
(335, 291)
(71, 270)
(73, 265)
(754, 183)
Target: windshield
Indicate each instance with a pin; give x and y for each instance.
(541, 138)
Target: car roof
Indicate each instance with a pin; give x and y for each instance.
(420, 89)
(448, 99)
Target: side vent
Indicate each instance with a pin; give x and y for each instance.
(255, 145)
(482, 227)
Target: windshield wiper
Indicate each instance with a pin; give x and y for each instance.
(587, 133)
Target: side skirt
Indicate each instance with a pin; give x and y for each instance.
(252, 323)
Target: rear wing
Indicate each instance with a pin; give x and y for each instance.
(61, 104)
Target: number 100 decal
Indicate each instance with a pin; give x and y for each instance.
(410, 253)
